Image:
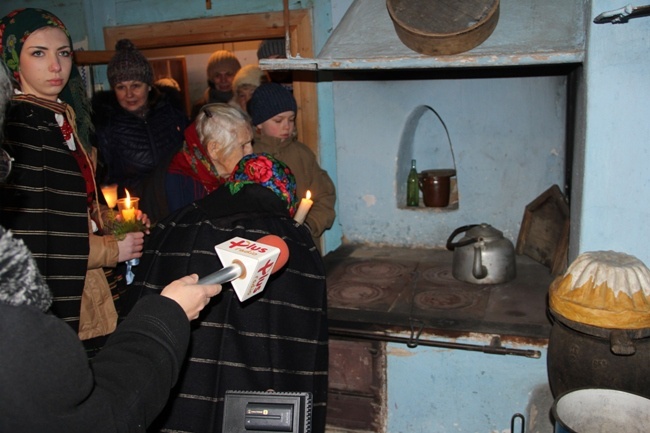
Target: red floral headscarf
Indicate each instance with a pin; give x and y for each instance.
(265, 170)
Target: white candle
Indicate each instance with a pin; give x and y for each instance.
(128, 214)
(303, 209)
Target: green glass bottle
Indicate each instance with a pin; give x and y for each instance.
(412, 187)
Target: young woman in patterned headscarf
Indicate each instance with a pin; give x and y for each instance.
(51, 194)
(274, 340)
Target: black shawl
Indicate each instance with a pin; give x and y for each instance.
(276, 340)
(44, 202)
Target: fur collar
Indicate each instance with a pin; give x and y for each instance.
(20, 281)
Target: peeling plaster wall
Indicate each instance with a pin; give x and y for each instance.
(479, 394)
(507, 136)
(613, 210)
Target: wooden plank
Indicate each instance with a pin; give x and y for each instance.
(204, 30)
(544, 233)
(304, 87)
(92, 57)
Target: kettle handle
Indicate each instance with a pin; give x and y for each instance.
(451, 245)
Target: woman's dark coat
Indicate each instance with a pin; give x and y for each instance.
(131, 147)
(47, 383)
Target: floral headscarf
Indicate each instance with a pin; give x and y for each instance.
(15, 28)
(192, 160)
(265, 170)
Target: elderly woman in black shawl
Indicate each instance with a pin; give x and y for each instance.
(276, 340)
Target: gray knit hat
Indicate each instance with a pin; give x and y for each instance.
(128, 64)
(269, 100)
(272, 47)
(222, 59)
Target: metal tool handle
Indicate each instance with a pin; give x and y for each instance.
(622, 15)
(512, 422)
(224, 275)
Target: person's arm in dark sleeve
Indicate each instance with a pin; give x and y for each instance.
(140, 362)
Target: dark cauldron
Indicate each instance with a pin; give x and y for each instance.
(582, 356)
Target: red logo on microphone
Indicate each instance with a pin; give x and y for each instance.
(247, 245)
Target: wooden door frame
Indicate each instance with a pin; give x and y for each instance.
(230, 28)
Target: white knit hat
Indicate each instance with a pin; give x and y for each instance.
(251, 75)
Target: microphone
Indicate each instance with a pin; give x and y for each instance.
(249, 264)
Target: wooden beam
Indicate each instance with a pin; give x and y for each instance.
(304, 87)
(92, 57)
(203, 30)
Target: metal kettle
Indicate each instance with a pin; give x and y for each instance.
(482, 256)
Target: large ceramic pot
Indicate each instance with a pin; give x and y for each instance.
(582, 356)
(601, 334)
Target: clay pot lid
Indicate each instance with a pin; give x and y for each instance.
(604, 288)
(441, 172)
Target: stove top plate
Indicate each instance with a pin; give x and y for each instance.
(399, 286)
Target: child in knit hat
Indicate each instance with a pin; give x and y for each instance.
(221, 70)
(246, 81)
(273, 113)
(276, 49)
(272, 49)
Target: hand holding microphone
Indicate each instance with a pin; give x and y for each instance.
(191, 296)
(248, 264)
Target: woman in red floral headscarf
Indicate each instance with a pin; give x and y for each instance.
(213, 145)
(50, 199)
(274, 340)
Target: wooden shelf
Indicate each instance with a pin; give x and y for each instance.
(529, 32)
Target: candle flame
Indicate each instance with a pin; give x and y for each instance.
(127, 202)
(308, 195)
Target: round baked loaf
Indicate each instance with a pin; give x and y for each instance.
(604, 288)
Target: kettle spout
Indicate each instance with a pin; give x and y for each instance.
(478, 270)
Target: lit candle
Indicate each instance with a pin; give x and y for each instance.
(110, 195)
(128, 206)
(303, 209)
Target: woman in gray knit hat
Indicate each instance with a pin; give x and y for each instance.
(138, 127)
(221, 69)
